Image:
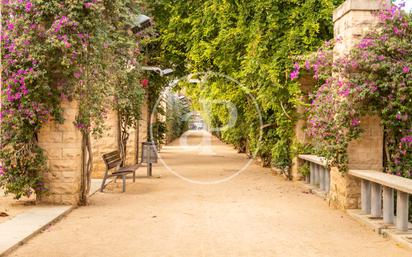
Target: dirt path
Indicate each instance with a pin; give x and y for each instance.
(253, 214)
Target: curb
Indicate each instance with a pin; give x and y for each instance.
(12, 246)
(9, 247)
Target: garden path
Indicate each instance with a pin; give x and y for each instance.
(253, 214)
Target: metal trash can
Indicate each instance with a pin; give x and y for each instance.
(149, 155)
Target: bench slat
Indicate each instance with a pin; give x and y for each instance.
(112, 159)
(113, 164)
(110, 154)
(392, 181)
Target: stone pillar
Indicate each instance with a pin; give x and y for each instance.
(351, 21)
(366, 153)
(62, 146)
(344, 190)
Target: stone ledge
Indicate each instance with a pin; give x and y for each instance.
(392, 181)
(357, 5)
(314, 158)
(385, 230)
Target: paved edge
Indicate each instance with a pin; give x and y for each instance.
(29, 235)
(403, 239)
(95, 187)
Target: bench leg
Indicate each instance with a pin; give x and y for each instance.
(402, 209)
(366, 196)
(103, 182)
(376, 200)
(388, 205)
(124, 183)
(134, 176)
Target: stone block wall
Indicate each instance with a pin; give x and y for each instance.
(109, 142)
(105, 144)
(62, 146)
(351, 21)
(344, 190)
(367, 151)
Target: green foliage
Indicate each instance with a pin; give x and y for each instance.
(176, 116)
(252, 42)
(304, 169)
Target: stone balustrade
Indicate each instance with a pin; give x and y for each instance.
(377, 188)
(319, 172)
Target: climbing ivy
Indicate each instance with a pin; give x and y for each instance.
(253, 42)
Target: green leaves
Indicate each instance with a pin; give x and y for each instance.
(253, 42)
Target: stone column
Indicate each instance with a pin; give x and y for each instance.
(351, 21)
(62, 146)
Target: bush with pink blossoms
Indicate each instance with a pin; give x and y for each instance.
(53, 51)
(374, 78)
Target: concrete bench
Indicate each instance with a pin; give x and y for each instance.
(319, 171)
(373, 183)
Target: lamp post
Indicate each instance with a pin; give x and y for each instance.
(150, 146)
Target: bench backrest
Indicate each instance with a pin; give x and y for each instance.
(112, 159)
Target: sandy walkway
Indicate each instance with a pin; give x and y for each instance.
(254, 214)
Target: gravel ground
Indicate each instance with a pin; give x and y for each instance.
(253, 214)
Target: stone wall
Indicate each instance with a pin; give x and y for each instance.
(351, 21)
(367, 151)
(62, 146)
(344, 190)
(107, 143)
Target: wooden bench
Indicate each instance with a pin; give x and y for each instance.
(372, 185)
(113, 161)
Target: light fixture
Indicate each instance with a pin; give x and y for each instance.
(141, 22)
(159, 70)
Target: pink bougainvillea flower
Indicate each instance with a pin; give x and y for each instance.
(88, 5)
(295, 72)
(355, 122)
(28, 6)
(365, 43)
(396, 31)
(10, 26)
(294, 75)
(307, 65)
(77, 74)
(407, 139)
(406, 69)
